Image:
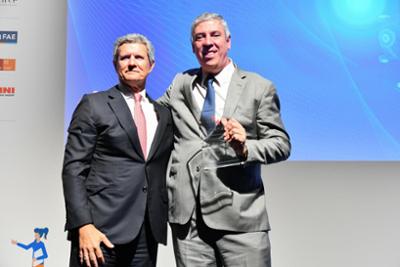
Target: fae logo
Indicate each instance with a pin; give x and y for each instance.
(7, 64)
(7, 91)
(8, 37)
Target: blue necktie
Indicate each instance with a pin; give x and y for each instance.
(208, 112)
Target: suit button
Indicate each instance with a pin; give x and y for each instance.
(144, 189)
(197, 169)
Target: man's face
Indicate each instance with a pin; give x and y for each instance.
(133, 64)
(211, 45)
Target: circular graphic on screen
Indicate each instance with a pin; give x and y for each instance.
(387, 38)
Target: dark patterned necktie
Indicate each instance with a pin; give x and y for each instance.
(208, 112)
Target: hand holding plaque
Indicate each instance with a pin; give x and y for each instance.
(224, 145)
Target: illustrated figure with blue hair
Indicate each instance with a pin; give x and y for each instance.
(39, 252)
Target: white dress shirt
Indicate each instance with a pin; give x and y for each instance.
(148, 110)
(220, 84)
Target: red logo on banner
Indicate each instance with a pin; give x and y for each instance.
(7, 64)
(7, 91)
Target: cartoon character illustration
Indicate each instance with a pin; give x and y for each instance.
(39, 252)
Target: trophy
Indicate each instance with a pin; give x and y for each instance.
(218, 153)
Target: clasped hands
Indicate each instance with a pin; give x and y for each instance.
(235, 135)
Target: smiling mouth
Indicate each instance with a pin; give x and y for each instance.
(209, 53)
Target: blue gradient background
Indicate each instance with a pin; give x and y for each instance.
(335, 63)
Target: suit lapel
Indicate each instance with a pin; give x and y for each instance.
(124, 116)
(188, 93)
(235, 90)
(161, 126)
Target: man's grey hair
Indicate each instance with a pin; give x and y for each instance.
(210, 16)
(133, 38)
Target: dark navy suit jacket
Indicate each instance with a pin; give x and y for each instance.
(106, 179)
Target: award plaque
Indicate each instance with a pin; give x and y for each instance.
(218, 153)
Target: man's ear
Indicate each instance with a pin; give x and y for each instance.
(152, 66)
(229, 41)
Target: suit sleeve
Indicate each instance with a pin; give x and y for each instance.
(82, 136)
(165, 99)
(273, 142)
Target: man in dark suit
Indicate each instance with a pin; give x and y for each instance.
(227, 123)
(115, 162)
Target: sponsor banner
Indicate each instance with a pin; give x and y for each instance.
(8, 37)
(7, 64)
(7, 91)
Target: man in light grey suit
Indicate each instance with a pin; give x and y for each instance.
(217, 207)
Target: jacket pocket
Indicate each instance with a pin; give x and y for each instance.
(94, 189)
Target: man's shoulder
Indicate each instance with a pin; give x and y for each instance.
(102, 94)
(188, 74)
(184, 79)
(253, 76)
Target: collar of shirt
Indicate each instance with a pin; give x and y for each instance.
(127, 93)
(223, 78)
(148, 110)
(221, 86)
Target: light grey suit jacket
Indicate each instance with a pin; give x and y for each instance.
(230, 198)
